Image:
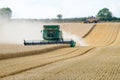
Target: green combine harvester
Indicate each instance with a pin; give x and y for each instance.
(51, 35)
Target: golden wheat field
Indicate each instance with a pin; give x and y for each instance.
(99, 60)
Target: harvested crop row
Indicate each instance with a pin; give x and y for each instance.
(17, 65)
(11, 51)
(103, 34)
(99, 64)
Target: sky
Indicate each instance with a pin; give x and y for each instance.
(42, 9)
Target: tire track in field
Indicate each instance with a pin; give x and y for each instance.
(47, 63)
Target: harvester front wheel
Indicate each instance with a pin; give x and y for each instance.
(73, 43)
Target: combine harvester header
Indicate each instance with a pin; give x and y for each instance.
(51, 35)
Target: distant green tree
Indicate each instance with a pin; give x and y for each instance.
(59, 16)
(5, 13)
(104, 14)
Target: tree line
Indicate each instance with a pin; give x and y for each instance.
(103, 15)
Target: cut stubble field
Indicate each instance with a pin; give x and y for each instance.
(97, 64)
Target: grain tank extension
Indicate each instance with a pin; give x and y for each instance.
(51, 35)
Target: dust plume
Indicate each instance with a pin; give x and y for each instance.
(15, 32)
(79, 41)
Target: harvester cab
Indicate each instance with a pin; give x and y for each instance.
(51, 35)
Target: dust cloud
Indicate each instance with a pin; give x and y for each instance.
(79, 41)
(14, 32)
